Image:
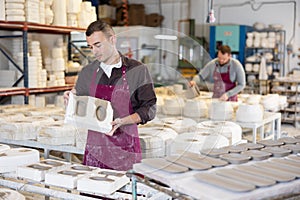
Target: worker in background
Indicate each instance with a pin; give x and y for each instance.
(224, 76)
(127, 84)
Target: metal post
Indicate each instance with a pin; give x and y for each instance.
(25, 60)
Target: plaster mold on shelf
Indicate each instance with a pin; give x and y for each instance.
(104, 182)
(12, 158)
(70, 174)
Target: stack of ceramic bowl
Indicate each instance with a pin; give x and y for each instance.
(35, 51)
(56, 75)
(14, 10)
(249, 113)
(220, 110)
(73, 8)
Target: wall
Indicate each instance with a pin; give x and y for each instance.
(281, 12)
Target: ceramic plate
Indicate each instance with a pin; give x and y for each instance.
(224, 182)
(192, 164)
(246, 177)
(257, 155)
(164, 165)
(294, 157)
(235, 158)
(287, 162)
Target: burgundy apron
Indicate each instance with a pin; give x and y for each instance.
(222, 84)
(122, 150)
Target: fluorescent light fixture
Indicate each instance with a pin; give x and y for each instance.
(165, 37)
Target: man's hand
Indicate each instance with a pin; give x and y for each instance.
(66, 96)
(192, 83)
(224, 97)
(116, 124)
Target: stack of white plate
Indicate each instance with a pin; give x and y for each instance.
(42, 12)
(32, 11)
(14, 10)
(84, 16)
(60, 12)
(48, 12)
(2, 10)
(35, 51)
(73, 8)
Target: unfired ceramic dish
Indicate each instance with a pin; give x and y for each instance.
(251, 146)
(277, 151)
(235, 158)
(289, 140)
(246, 177)
(294, 157)
(192, 164)
(257, 155)
(270, 143)
(281, 167)
(215, 162)
(224, 182)
(214, 152)
(164, 165)
(287, 162)
(295, 148)
(237, 149)
(271, 174)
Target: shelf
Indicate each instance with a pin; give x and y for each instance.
(12, 91)
(39, 28)
(27, 91)
(50, 89)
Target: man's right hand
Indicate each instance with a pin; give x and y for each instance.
(66, 96)
(192, 83)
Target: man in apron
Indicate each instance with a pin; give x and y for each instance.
(225, 74)
(127, 84)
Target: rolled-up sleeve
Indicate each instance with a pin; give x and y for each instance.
(143, 98)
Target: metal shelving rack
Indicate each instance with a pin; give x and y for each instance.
(27, 27)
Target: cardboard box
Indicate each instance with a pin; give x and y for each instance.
(106, 11)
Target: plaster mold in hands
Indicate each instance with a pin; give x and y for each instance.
(90, 113)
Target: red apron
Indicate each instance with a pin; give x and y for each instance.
(222, 84)
(122, 150)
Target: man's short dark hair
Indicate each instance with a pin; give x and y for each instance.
(99, 25)
(225, 49)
